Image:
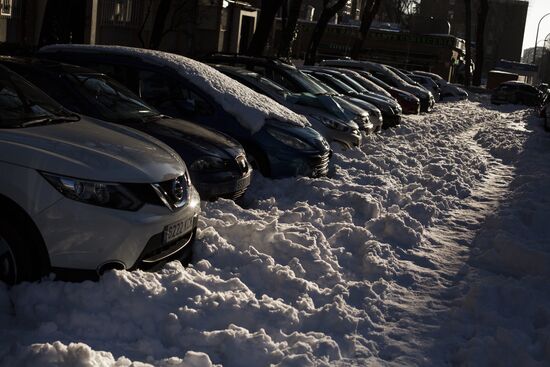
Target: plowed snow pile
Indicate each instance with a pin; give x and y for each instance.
(427, 246)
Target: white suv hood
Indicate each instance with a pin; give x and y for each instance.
(93, 150)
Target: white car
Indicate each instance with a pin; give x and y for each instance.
(81, 196)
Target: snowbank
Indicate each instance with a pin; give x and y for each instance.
(377, 265)
(249, 107)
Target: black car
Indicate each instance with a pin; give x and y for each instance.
(216, 162)
(390, 109)
(387, 76)
(276, 140)
(515, 92)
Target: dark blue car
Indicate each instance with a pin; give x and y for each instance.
(216, 162)
(276, 141)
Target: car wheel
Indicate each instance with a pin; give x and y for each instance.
(8, 266)
(258, 161)
(16, 264)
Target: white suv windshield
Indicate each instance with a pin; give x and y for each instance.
(21, 103)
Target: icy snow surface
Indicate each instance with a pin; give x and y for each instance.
(249, 107)
(428, 246)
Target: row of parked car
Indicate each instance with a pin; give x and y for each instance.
(107, 151)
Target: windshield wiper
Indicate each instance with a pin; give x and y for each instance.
(46, 120)
(141, 119)
(154, 118)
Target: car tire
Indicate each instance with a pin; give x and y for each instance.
(18, 257)
(258, 160)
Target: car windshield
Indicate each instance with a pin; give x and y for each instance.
(327, 88)
(371, 86)
(308, 84)
(335, 82)
(273, 86)
(113, 101)
(352, 83)
(379, 82)
(403, 76)
(22, 104)
(390, 77)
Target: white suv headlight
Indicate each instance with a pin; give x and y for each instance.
(289, 140)
(109, 195)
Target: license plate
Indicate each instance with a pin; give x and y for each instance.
(177, 230)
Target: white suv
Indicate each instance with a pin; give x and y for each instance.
(80, 196)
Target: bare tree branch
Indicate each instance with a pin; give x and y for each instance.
(330, 8)
(367, 16)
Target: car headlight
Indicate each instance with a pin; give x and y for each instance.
(330, 123)
(208, 164)
(289, 140)
(109, 195)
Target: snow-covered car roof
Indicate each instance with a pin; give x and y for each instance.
(250, 108)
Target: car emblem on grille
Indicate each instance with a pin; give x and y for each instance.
(177, 189)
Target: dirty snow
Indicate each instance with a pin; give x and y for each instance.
(250, 108)
(426, 246)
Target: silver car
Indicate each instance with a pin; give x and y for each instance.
(80, 196)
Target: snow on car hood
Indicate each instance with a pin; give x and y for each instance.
(93, 150)
(250, 108)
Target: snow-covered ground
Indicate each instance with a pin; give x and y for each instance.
(430, 245)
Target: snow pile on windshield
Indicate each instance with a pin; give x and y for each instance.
(427, 246)
(249, 107)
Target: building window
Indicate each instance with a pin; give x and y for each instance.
(124, 13)
(6, 8)
(310, 13)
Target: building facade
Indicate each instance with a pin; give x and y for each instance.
(189, 27)
(504, 28)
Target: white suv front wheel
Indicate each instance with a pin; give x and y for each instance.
(8, 266)
(19, 259)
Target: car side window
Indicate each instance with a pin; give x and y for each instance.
(281, 79)
(171, 96)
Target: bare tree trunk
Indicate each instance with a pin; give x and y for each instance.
(144, 23)
(367, 16)
(468, 15)
(160, 22)
(288, 34)
(268, 10)
(325, 17)
(483, 11)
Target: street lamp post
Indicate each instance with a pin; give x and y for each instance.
(537, 37)
(543, 58)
